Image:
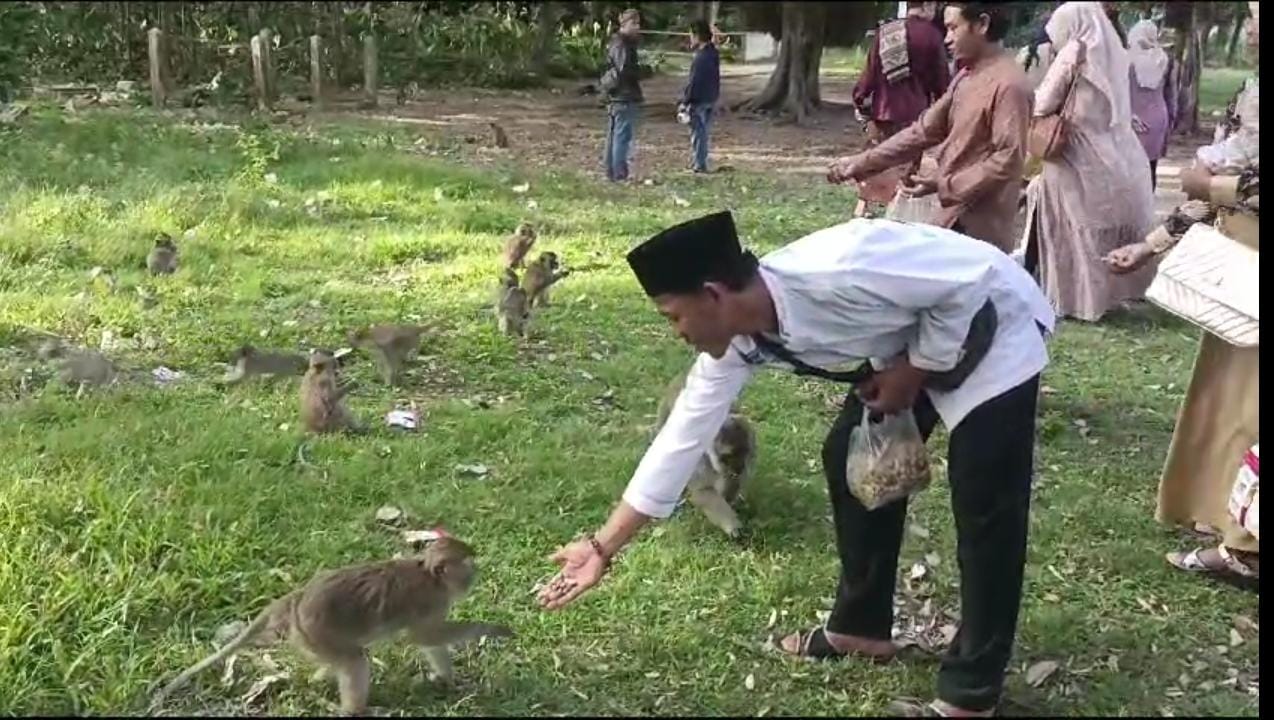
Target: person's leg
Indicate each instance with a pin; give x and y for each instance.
(700, 117)
(625, 120)
(609, 152)
(989, 467)
(866, 541)
(1154, 169)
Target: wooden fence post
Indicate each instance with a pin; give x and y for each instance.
(271, 72)
(316, 69)
(155, 45)
(260, 75)
(370, 80)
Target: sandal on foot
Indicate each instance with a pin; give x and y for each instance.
(814, 645)
(1231, 571)
(910, 707)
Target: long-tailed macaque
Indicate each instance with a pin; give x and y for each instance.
(724, 468)
(336, 615)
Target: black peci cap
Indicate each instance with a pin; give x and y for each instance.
(683, 257)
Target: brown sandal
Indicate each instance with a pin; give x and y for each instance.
(1232, 571)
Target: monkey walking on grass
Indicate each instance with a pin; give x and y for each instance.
(336, 615)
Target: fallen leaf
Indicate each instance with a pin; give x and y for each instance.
(1040, 672)
(438, 194)
(227, 673)
(419, 537)
(948, 633)
(520, 189)
(749, 682)
(919, 531)
(389, 515)
(774, 618)
(1244, 622)
(1046, 390)
(918, 571)
(680, 201)
(260, 687)
(1235, 638)
(933, 559)
(479, 470)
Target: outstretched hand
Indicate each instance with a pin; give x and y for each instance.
(582, 568)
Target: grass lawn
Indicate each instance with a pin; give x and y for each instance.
(137, 519)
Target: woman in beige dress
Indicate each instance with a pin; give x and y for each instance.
(1096, 196)
(1220, 417)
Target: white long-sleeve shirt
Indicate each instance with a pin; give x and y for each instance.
(864, 290)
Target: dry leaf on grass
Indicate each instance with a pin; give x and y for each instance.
(749, 682)
(389, 515)
(1039, 673)
(260, 687)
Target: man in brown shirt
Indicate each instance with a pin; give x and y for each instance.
(980, 123)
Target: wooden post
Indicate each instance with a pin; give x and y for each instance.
(370, 81)
(316, 70)
(271, 74)
(260, 75)
(158, 92)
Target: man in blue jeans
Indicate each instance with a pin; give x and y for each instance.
(622, 87)
(702, 91)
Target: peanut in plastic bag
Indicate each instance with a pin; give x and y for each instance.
(887, 460)
(905, 208)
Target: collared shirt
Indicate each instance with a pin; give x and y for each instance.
(864, 290)
(981, 125)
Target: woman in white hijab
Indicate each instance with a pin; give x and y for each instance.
(1153, 109)
(1096, 196)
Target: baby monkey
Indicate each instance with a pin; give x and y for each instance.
(336, 615)
(391, 346)
(540, 276)
(248, 361)
(323, 408)
(723, 469)
(162, 259)
(512, 311)
(518, 245)
(499, 137)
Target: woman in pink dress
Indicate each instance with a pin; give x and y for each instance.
(1153, 106)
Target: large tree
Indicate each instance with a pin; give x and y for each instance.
(803, 29)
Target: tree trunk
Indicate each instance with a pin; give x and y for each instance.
(1188, 55)
(793, 88)
(1236, 34)
(706, 11)
(546, 34)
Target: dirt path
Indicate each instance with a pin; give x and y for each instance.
(557, 127)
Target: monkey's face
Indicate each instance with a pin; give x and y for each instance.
(321, 362)
(526, 231)
(451, 561)
(700, 318)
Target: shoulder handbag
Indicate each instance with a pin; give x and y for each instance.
(1048, 135)
(1213, 282)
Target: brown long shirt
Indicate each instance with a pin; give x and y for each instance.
(981, 124)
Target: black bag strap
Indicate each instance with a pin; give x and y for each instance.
(977, 343)
(857, 375)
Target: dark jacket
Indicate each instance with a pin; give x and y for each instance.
(704, 86)
(621, 82)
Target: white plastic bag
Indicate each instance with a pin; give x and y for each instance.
(905, 208)
(887, 460)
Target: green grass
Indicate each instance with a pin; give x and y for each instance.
(1218, 87)
(138, 519)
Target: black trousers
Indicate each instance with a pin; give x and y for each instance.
(989, 466)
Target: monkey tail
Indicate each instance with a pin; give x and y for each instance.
(249, 633)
